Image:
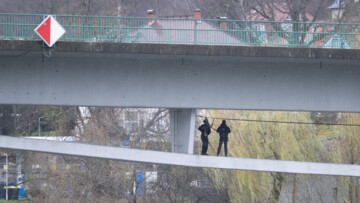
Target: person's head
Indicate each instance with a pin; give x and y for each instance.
(206, 121)
(223, 122)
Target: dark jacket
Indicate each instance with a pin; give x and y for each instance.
(204, 128)
(223, 130)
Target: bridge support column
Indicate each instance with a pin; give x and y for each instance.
(182, 127)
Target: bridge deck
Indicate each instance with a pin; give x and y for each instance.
(156, 157)
(21, 47)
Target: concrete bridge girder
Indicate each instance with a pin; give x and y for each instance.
(176, 159)
(231, 78)
(182, 78)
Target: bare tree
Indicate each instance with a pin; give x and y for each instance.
(350, 12)
(294, 10)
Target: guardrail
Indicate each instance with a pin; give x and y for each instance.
(187, 31)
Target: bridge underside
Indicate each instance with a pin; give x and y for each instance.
(179, 76)
(176, 159)
(182, 78)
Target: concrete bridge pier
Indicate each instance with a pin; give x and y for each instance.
(182, 127)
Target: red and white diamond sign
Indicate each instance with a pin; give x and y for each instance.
(50, 30)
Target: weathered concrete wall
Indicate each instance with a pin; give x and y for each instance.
(174, 49)
(180, 76)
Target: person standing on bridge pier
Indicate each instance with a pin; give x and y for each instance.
(205, 130)
(223, 131)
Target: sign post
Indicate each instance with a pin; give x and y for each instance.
(50, 30)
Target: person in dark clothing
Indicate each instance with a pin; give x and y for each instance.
(205, 130)
(223, 131)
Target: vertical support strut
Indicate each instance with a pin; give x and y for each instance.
(18, 169)
(182, 127)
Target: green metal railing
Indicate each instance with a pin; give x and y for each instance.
(187, 31)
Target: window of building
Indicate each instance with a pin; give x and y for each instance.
(131, 121)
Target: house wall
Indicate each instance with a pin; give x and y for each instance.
(336, 14)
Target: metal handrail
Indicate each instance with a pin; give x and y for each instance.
(187, 31)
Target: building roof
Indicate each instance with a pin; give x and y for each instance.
(337, 41)
(55, 138)
(279, 11)
(184, 31)
(338, 4)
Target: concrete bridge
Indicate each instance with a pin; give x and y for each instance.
(182, 78)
